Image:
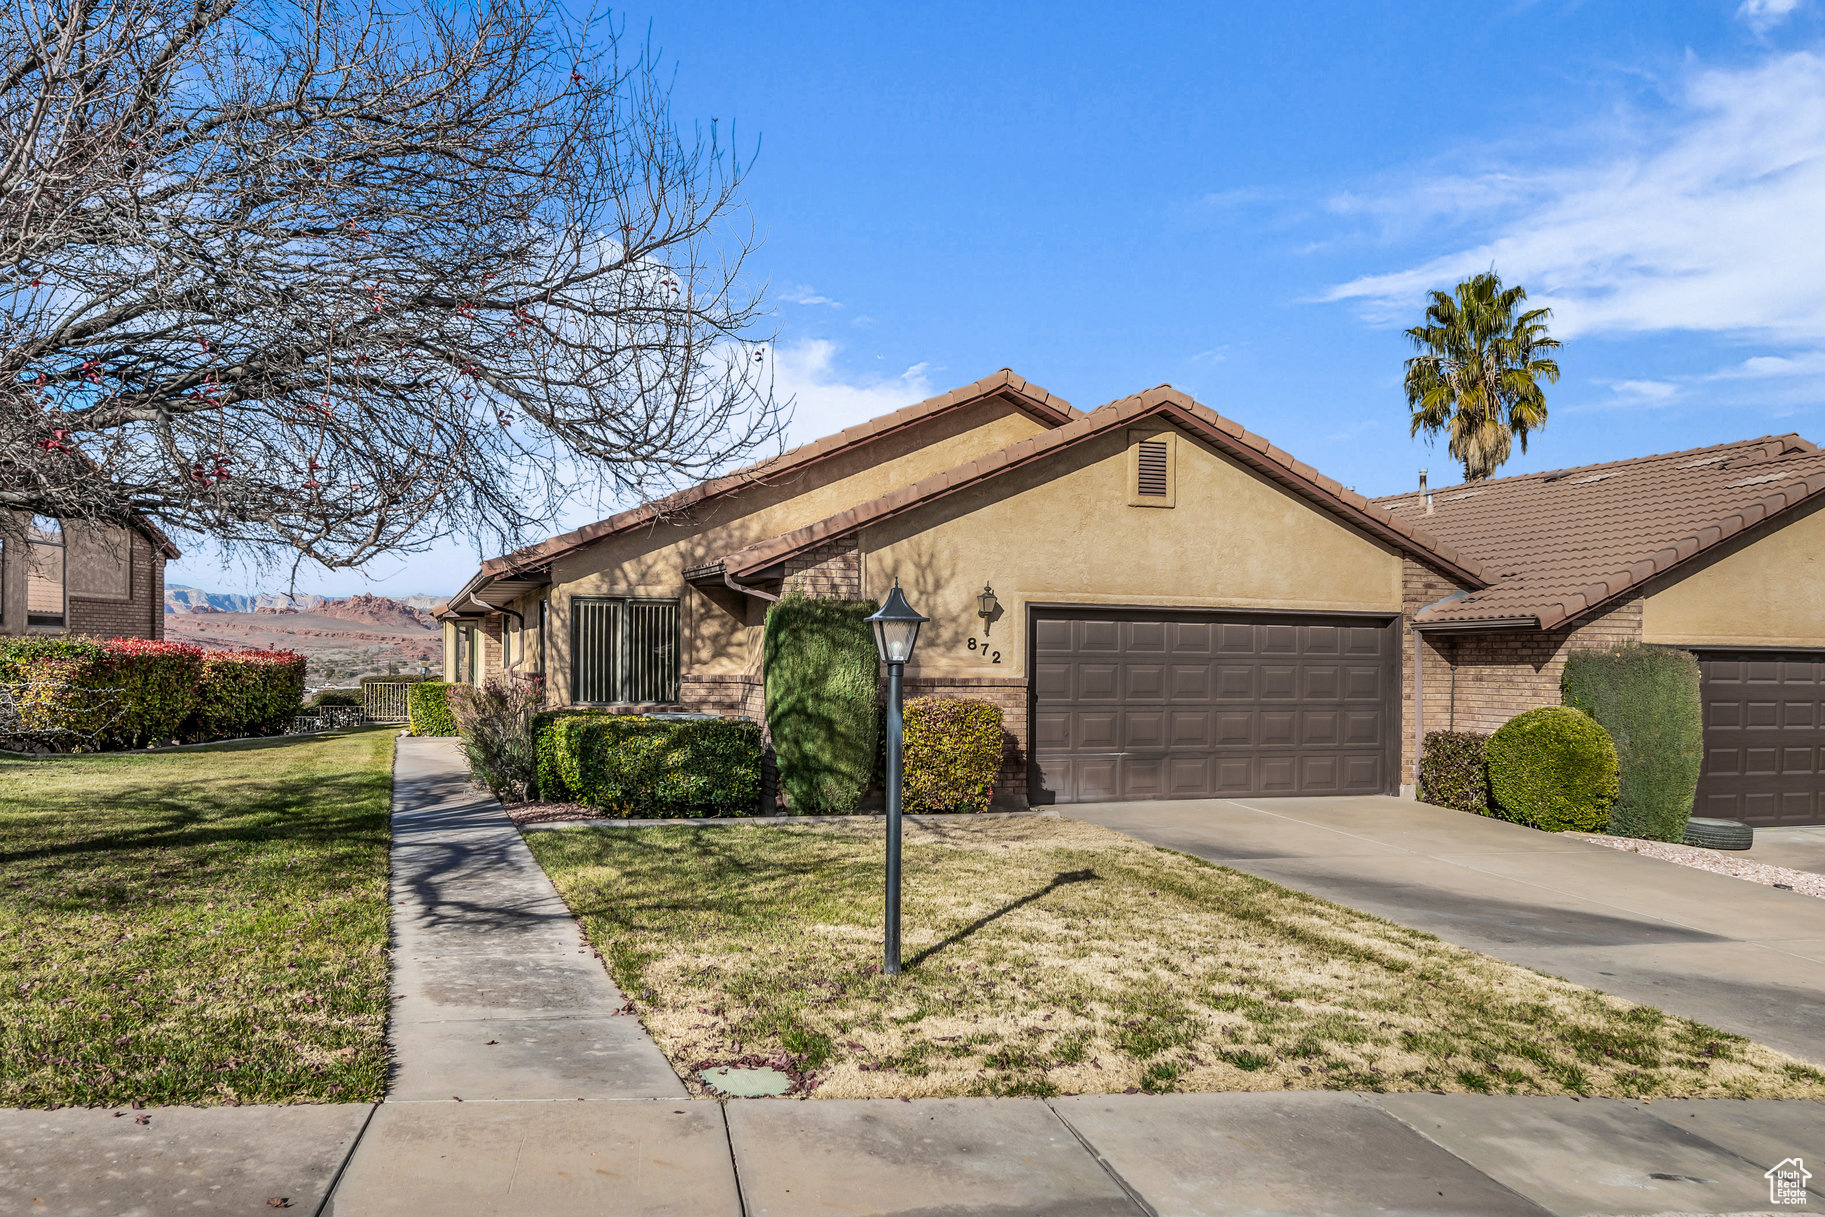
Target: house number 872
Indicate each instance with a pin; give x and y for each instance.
(991, 656)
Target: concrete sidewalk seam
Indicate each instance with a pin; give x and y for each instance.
(1115, 1176)
(728, 1136)
(1375, 1102)
(329, 1193)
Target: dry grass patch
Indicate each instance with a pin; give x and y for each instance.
(1048, 956)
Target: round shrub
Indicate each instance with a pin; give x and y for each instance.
(1553, 768)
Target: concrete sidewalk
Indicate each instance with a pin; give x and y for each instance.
(503, 1018)
(1215, 1155)
(1737, 955)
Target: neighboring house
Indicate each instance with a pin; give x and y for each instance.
(100, 580)
(1719, 550)
(1179, 609)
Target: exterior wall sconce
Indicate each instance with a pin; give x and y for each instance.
(986, 607)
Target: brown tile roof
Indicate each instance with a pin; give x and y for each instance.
(1230, 437)
(1036, 401)
(1558, 545)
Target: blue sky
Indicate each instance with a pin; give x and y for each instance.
(1250, 201)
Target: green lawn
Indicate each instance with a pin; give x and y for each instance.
(1048, 956)
(196, 926)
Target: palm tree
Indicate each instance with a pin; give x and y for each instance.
(1477, 375)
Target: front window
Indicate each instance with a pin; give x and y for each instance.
(44, 583)
(468, 654)
(623, 651)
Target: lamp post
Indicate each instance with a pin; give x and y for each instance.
(896, 630)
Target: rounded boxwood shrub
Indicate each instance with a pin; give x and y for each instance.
(651, 766)
(1647, 698)
(1553, 768)
(952, 752)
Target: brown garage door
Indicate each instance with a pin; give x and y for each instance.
(1764, 737)
(1164, 705)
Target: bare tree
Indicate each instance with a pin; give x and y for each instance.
(339, 277)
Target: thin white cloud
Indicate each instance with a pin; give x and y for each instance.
(1645, 392)
(826, 401)
(1764, 15)
(1711, 224)
(800, 293)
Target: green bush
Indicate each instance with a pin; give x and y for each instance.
(495, 723)
(1451, 773)
(242, 693)
(821, 688)
(428, 708)
(551, 785)
(637, 766)
(951, 754)
(1646, 697)
(1553, 768)
(335, 697)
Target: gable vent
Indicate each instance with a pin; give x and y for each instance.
(1152, 479)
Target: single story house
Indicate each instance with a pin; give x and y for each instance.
(68, 577)
(1163, 604)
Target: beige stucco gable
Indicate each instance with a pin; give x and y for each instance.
(721, 632)
(1764, 593)
(1063, 531)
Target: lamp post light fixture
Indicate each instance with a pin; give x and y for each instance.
(986, 605)
(896, 631)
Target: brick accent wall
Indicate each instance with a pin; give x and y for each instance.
(1011, 696)
(832, 569)
(740, 696)
(1499, 674)
(140, 615)
(1421, 586)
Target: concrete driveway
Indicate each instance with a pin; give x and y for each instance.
(1737, 955)
(1793, 848)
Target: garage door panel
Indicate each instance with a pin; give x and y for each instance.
(1190, 682)
(1185, 706)
(1144, 729)
(1320, 727)
(1764, 738)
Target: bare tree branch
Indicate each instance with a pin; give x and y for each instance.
(342, 278)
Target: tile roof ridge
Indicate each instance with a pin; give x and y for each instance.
(1797, 445)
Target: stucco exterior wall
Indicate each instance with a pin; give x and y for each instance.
(1767, 591)
(721, 632)
(1061, 531)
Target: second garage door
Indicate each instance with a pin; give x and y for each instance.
(1764, 738)
(1160, 705)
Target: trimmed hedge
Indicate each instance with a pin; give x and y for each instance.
(335, 697)
(1451, 772)
(246, 693)
(428, 708)
(952, 752)
(86, 694)
(822, 676)
(1553, 768)
(1647, 698)
(641, 767)
(552, 787)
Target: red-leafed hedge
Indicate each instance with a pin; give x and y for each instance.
(87, 694)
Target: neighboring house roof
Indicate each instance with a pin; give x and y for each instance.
(1559, 545)
(1163, 402)
(1034, 400)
